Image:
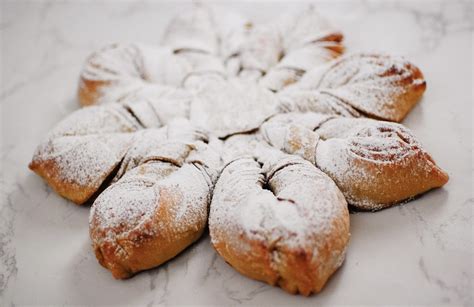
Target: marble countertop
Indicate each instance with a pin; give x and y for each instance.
(418, 253)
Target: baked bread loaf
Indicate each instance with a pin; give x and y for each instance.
(284, 223)
(272, 102)
(376, 164)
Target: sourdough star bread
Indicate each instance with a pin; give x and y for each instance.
(265, 132)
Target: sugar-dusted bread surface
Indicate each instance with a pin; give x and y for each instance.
(283, 222)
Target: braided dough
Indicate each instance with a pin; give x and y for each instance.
(275, 108)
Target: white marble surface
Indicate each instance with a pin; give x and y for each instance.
(418, 253)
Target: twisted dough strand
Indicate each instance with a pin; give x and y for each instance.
(375, 164)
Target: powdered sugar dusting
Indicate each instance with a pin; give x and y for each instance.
(230, 82)
(363, 151)
(86, 146)
(373, 140)
(373, 84)
(314, 101)
(95, 120)
(309, 120)
(114, 62)
(127, 203)
(165, 103)
(84, 160)
(170, 162)
(159, 180)
(292, 139)
(281, 203)
(193, 30)
(374, 163)
(233, 106)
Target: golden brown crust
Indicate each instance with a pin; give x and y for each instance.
(337, 38)
(404, 86)
(120, 71)
(83, 150)
(407, 99)
(75, 192)
(89, 91)
(290, 225)
(156, 209)
(376, 164)
(294, 63)
(385, 184)
(111, 65)
(389, 191)
(299, 260)
(143, 247)
(297, 272)
(376, 85)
